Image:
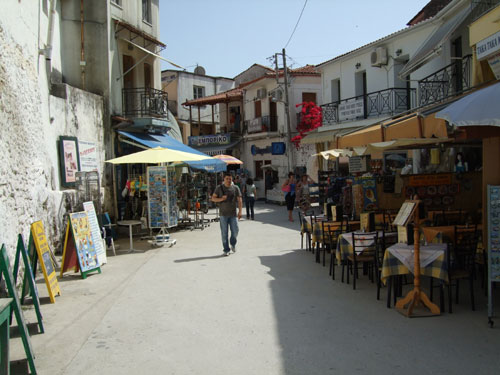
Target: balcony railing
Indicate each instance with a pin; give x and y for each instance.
(144, 102)
(262, 124)
(452, 80)
(480, 7)
(388, 102)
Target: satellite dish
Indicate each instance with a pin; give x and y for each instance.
(199, 70)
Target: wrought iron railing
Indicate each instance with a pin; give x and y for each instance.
(388, 102)
(480, 7)
(449, 81)
(262, 124)
(144, 102)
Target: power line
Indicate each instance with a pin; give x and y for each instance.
(297, 24)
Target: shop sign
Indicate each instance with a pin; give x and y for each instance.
(88, 156)
(255, 125)
(260, 150)
(209, 140)
(351, 110)
(430, 179)
(487, 46)
(357, 164)
(278, 148)
(494, 62)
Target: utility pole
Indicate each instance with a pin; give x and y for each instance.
(287, 108)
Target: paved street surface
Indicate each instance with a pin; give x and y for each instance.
(268, 309)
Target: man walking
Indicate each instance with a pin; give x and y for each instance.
(228, 195)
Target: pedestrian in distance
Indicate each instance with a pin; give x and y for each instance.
(228, 196)
(288, 188)
(250, 193)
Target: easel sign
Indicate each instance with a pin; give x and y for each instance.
(16, 306)
(38, 239)
(79, 242)
(28, 279)
(96, 233)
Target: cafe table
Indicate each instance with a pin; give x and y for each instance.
(442, 234)
(345, 245)
(130, 224)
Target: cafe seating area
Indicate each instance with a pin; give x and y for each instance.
(451, 253)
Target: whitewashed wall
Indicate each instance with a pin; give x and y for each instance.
(30, 124)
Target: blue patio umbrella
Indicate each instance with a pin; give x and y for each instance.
(480, 108)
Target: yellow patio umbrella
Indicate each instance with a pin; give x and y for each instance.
(158, 155)
(228, 159)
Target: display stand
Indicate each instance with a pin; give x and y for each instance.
(38, 248)
(162, 204)
(16, 305)
(416, 303)
(79, 250)
(28, 279)
(493, 243)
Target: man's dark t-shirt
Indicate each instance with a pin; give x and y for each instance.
(228, 207)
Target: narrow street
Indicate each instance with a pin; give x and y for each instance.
(268, 309)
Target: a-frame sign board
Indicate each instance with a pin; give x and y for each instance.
(16, 305)
(28, 279)
(79, 249)
(41, 251)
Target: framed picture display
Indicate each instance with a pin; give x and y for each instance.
(69, 160)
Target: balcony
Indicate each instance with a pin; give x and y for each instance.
(144, 102)
(452, 80)
(388, 102)
(262, 124)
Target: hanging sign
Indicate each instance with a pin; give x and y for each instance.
(209, 140)
(88, 156)
(42, 252)
(96, 232)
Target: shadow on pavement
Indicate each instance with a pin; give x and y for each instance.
(198, 258)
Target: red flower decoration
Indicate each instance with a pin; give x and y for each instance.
(311, 117)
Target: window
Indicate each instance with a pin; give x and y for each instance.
(117, 2)
(335, 90)
(309, 97)
(146, 10)
(198, 92)
(258, 108)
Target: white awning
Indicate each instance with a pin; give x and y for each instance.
(480, 108)
(434, 43)
(334, 153)
(151, 53)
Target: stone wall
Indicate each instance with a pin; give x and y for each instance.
(30, 123)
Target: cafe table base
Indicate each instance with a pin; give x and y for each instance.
(416, 304)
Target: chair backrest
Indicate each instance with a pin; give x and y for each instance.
(389, 217)
(439, 219)
(329, 233)
(387, 240)
(464, 248)
(361, 242)
(454, 218)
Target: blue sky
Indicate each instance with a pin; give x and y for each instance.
(228, 36)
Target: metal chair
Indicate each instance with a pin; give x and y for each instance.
(388, 239)
(363, 247)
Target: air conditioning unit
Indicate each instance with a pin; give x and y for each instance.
(276, 95)
(379, 56)
(261, 93)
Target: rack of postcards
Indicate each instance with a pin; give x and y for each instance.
(193, 194)
(162, 201)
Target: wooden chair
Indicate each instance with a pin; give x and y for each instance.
(388, 239)
(362, 252)
(462, 265)
(333, 241)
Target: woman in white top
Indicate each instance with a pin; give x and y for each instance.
(250, 193)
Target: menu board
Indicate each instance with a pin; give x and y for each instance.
(404, 213)
(162, 197)
(84, 242)
(95, 231)
(41, 247)
(369, 194)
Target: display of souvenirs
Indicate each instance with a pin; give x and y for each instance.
(494, 231)
(85, 248)
(434, 195)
